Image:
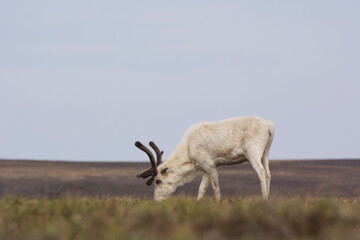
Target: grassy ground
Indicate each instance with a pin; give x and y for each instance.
(179, 218)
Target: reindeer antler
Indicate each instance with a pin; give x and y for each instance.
(158, 153)
(152, 171)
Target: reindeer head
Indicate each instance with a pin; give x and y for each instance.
(158, 172)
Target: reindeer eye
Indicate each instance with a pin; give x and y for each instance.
(158, 182)
(164, 171)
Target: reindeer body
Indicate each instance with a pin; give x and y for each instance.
(207, 145)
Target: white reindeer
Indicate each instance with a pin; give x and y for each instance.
(207, 145)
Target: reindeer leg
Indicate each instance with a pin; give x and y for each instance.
(203, 186)
(255, 160)
(265, 163)
(214, 179)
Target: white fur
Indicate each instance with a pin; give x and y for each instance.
(207, 145)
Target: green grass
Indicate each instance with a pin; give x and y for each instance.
(179, 218)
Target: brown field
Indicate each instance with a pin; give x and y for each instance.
(318, 178)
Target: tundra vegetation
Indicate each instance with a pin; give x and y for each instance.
(179, 218)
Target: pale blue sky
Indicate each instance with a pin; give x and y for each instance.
(83, 80)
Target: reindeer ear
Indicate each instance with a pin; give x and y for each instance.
(164, 171)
